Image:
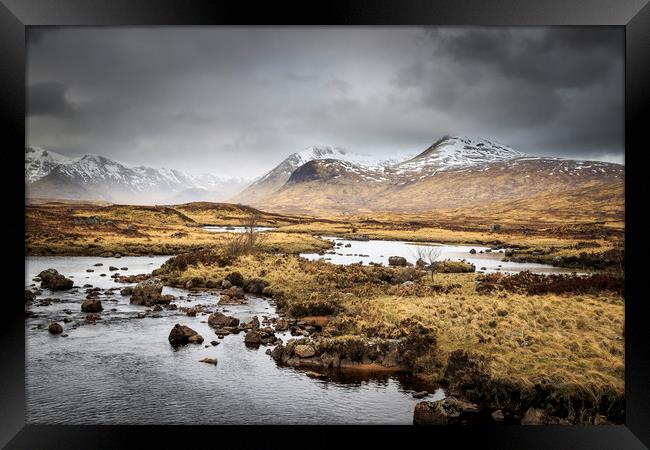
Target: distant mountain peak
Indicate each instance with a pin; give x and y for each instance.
(460, 151)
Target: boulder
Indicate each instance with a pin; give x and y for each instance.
(220, 320)
(304, 351)
(235, 279)
(29, 296)
(398, 261)
(440, 412)
(91, 305)
(182, 335)
(472, 251)
(234, 292)
(149, 293)
(53, 280)
(255, 286)
(497, 416)
(253, 338)
(55, 328)
(534, 416)
(254, 324)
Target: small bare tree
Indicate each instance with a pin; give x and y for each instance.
(249, 241)
(428, 256)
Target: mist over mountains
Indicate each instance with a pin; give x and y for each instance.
(455, 171)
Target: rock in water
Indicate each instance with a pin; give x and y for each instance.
(55, 328)
(304, 351)
(210, 361)
(441, 412)
(534, 416)
(53, 280)
(396, 261)
(220, 320)
(182, 335)
(149, 293)
(497, 416)
(91, 305)
(253, 339)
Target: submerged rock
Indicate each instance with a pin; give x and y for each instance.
(213, 361)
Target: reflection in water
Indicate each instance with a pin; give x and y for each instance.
(378, 251)
(123, 370)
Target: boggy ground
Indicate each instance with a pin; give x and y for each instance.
(554, 344)
(566, 237)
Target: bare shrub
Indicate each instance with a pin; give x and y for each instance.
(248, 242)
(429, 255)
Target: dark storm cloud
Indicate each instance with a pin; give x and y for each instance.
(48, 99)
(238, 100)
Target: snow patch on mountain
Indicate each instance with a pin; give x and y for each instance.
(454, 152)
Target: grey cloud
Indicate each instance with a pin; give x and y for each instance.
(48, 99)
(237, 100)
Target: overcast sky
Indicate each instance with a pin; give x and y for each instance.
(236, 101)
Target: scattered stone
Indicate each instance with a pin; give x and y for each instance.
(89, 270)
(235, 279)
(91, 305)
(182, 335)
(92, 318)
(472, 251)
(534, 416)
(55, 328)
(304, 351)
(255, 286)
(53, 280)
(497, 416)
(210, 361)
(253, 339)
(214, 343)
(220, 320)
(124, 268)
(399, 261)
(127, 290)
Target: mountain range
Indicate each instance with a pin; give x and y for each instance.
(92, 177)
(454, 172)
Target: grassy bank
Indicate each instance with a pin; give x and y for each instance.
(570, 341)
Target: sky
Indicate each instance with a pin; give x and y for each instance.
(236, 101)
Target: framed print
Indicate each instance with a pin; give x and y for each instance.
(421, 218)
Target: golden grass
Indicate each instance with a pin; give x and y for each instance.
(565, 338)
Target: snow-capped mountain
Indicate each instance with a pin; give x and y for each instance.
(93, 177)
(39, 162)
(453, 172)
(453, 152)
(279, 175)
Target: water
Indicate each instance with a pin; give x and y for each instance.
(229, 229)
(123, 370)
(378, 251)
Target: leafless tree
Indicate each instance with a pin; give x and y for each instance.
(428, 255)
(249, 240)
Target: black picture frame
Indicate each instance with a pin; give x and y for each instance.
(16, 15)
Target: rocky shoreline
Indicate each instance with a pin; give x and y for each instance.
(313, 346)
